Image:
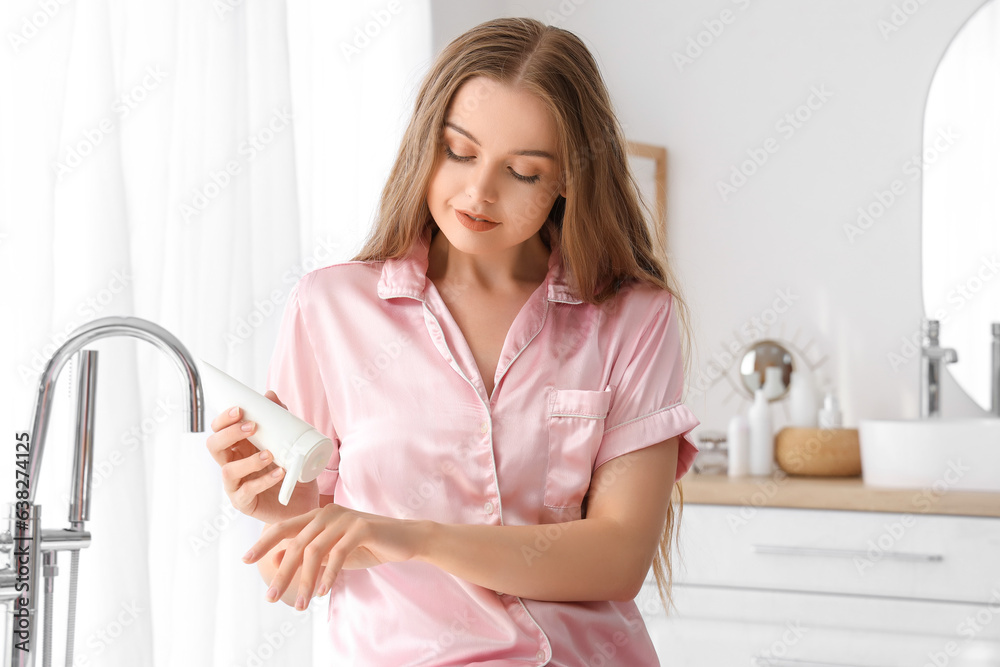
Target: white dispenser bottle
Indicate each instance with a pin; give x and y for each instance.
(829, 414)
(761, 436)
(774, 385)
(738, 438)
(803, 400)
(295, 444)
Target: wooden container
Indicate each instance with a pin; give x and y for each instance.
(818, 452)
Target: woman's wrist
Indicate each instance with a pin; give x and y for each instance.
(305, 498)
(425, 533)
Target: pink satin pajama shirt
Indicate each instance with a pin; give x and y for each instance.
(369, 354)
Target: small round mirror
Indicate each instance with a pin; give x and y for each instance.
(767, 365)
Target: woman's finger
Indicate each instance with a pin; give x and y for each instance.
(312, 539)
(224, 419)
(250, 474)
(336, 557)
(329, 549)
(223, 444)
(274, 533)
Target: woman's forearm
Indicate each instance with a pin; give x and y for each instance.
(587, 559)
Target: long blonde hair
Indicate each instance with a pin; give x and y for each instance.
(603, 223)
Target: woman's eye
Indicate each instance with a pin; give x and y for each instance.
(460, 158)
(526, 179)
(465, 158)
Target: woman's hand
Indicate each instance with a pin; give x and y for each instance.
(339, 538)
(251, 482)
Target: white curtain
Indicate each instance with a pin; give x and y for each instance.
(184, 162)
(961, 186)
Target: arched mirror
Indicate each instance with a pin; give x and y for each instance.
(961, 198)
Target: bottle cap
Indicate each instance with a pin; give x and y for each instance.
(315, 449)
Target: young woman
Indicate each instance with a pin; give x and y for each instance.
(501, 369)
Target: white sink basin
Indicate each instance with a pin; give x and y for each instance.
(944, 454)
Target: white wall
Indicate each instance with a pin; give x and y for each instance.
(784, 230)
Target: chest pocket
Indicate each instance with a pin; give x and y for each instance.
(575, 424)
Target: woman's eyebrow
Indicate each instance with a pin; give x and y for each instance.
(529, 153)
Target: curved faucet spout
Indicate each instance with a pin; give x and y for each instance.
(105, 328)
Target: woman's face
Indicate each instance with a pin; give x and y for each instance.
(499, 159)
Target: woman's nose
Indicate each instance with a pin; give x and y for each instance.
(482, 185)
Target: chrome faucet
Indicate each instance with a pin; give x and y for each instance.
(995, 372)
(27, 544)
(931, 357)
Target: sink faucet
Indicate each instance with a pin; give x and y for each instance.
(995, 372)
(931, 357)
(27, 543)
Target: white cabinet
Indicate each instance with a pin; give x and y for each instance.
(805, 588)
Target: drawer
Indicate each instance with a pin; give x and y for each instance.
(861, 553)
(962, 622)
(683, 642)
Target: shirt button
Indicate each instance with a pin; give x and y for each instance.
(540, 655)
(488, 507)
(484, 427)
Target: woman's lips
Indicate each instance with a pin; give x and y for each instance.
(476, 215)
(475, 225)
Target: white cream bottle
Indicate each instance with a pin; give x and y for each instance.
(803, 400)
(761, 435)
(295, 444)
(738, 439)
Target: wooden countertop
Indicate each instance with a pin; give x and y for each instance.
(833, 493)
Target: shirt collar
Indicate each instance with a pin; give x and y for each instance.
(407, 275)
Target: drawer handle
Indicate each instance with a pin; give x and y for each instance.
(847, 553)
(761, 661)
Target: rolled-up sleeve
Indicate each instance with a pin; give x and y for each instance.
(294, 375)
(646, 408)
